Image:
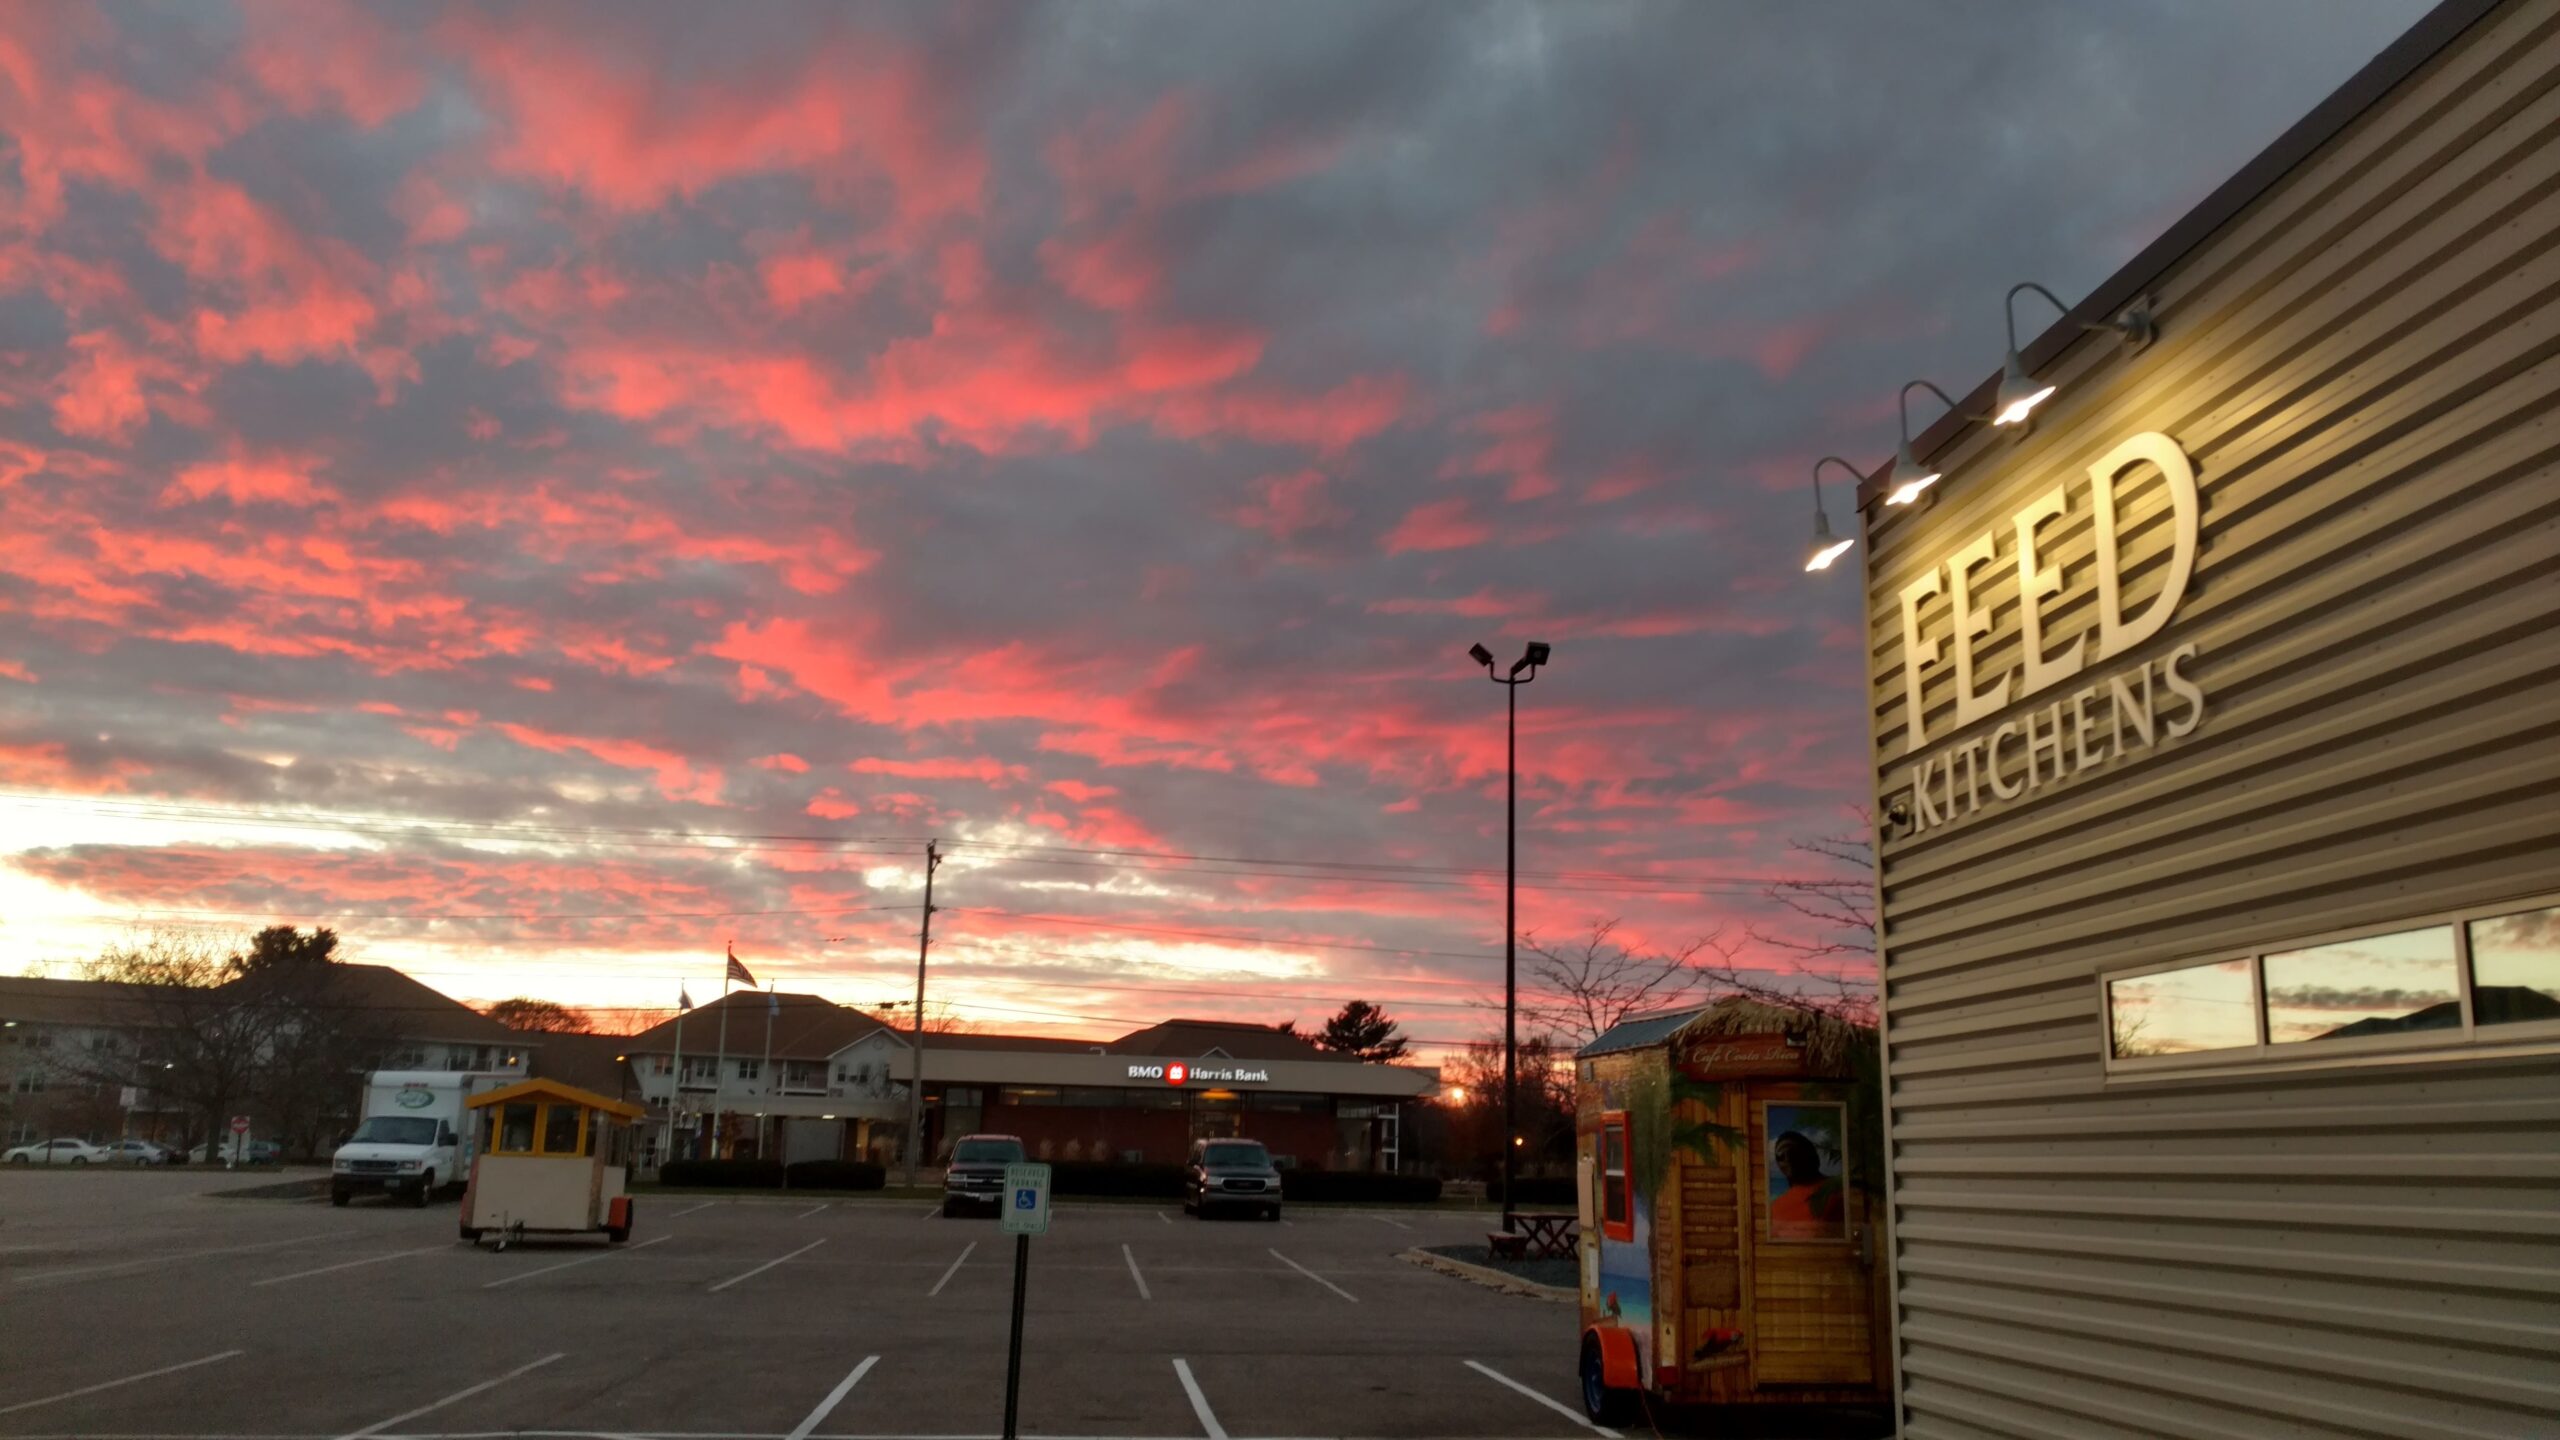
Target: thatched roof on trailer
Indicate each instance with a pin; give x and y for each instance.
(1828, 1040)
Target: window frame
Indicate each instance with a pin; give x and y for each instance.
(542, 1129)
(2467, 1040)
(1613, 1227)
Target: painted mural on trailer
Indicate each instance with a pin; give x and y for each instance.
(1807, 1200)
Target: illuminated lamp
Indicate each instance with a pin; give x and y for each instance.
(1826, 546)
(2020, 393)
(1910, 477)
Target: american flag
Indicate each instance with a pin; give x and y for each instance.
(737, 970)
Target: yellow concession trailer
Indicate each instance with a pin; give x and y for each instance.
(1728, 1171)
(553, 1161)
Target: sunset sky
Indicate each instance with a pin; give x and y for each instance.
(551, 492)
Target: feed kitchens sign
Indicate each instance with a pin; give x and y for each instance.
(2110, 717)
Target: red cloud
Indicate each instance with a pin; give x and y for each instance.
(250, 480)
(341, 56)
(986, 770)
(832, 804)
(786, 763)
(677, 777)
(1287, 506)
(583, 105)
(1438, 525)
(99, 393)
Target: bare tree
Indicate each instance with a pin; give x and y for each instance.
(1586, 986)
(196, 1042)
(1841, 901)
(545, 1016)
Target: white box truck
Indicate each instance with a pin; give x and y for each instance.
(416, 1138)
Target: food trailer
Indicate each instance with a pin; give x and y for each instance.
(1729, 1183)
(553, 1161)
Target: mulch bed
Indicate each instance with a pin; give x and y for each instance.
(1536, 1272)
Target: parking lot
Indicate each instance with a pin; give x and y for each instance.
(134, 1305)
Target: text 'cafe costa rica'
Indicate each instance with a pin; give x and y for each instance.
(832, 1085)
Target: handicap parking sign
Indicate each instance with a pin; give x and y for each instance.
(1028, 1213)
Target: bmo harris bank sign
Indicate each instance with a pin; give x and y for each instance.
(1178, 1072)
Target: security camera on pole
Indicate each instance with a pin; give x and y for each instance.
(1535, 656)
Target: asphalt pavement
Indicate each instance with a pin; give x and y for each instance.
(138, 1305)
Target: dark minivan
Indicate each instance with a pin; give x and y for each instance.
(1233, 1174)
(975, 1179)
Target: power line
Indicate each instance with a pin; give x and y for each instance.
(279, 912)
(1274, 940)
(1184, 862)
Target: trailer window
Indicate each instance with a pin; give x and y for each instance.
(1617, 1197)
(515, 1128)
(560, 1129)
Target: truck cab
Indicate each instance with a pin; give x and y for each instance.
(414, 1139)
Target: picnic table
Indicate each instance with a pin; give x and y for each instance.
(1536, 1235)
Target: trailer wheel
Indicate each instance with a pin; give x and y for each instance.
(1605, 1405)
(471, 1234)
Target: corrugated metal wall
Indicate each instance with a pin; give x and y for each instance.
(2365, 368)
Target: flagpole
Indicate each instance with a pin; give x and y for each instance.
(675, 1095)
(764, 1128)
(720, 1067)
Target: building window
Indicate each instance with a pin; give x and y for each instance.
(1617, 1197)
(750, 1069)
(661, 1065)
(1025, 1095)
(2515, 967)
(2490, 974)
(30, 1082)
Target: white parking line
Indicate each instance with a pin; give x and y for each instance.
(1391, 1220)
(565, 1264)
(954, 1270)
(465, 1393)
(1310, 1274)
(812, 1210)
(769, 1264)
(1199, 1402)
(351, 1264)
(112, 1384)
(1132, 1257)
(1164, 1217)
(1564, 1410)
(705, 1205)
(835, 1397)
(936, 1210)
(150, 1260)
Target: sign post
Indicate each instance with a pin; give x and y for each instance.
(1026, 1213)
(239, 1139)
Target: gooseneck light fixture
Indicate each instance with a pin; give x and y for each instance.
(1910, 477)
(2020, 393)
(1826, 547)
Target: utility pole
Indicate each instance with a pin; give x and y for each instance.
(1537, 654)
(915, 1084)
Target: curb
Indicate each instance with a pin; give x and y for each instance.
(1489, 1277)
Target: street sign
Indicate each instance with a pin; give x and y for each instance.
(239, 1124)
(1026, 1199)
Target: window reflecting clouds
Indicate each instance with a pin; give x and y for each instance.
(2377, 985)
(2515, 967)
(2177, 1012)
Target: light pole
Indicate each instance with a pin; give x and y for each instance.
(1535, 656)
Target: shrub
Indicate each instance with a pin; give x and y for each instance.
(838, 1175)
(1360, 1186)
(1555, 1190)
(722, 1174)
(1086, 1177)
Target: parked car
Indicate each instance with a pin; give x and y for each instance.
(58, 1152)
(255, 1152)
(975, 1178)
(1231, 1174)
(138, 1152)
